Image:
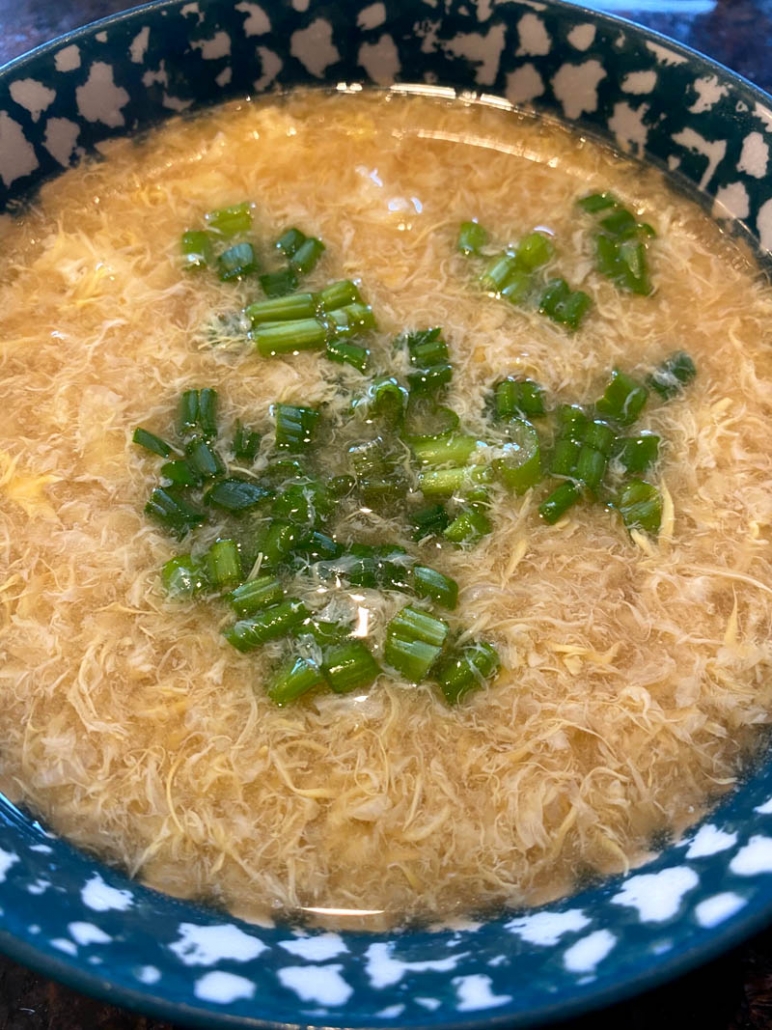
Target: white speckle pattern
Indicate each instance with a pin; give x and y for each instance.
(589, 952)
(391, 1012)
(383, 970)
(314, 47)
(271, 64)
(223, 988)
(316, 949)
(33, 96)
(7, 858)
(756, 856)
(207, 945)
(372, 17)
(68, 59)
(709, 92)
(484, 51)
(639, 83)
(764, 225)
(42, 849)
(88, 933)
(720, 907)
(546, 928)
(101, 897)
(754, 160)
(257, 22)
(38, 886)
(534, 38)
(657, 896)
(216, 47)
(61, 141)
(138, 45)
(148, 975)
(524, 85)
(380, 60)
(430, 1004)
(475, 994)
(101, 37)
(576, 87)
(17, 159)
(224, 78)
(731, 201)
(714, 151)
(99, 99)
(627, 124)
(62, 944)
(321, 984)
(581, 37)
(664, 56)
(709, 839)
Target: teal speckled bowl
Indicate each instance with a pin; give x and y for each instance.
(87, 925)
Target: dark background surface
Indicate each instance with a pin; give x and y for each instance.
(732, 993)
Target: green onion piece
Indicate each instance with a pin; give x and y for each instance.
(430, 521)
(224, 564)
(167, 506)
(295, 426)
(278, 283)
(207, 412)
(640, 505)
(468, 527)
(204, 459)
(564, 305)
(197, 249)
(425, 347)
(307, 504)
(278, 542)
(637, 453)
(430, 380)
(385, 399)
(254, 595)
(416, 624)
(624, 263)
(350, 666)
(294, 680)
(282, 469)
(281, 309)
(236, 262)
(348, 321)
(595, 202)
(229, 221)
(471, 238)
(425, 419)
(289, 241)
(341, 486)
(623, 398)
(381, 492)
(246, 443)
(181, 473)
(182, 577)
(270, 624)
(534, 250)
(394, 574)
(675, 372)
(519, 466)
(441, 589)
(318, 547)
(465, 669)
(345, 353)
(444, 482)
(559, 501)
(518, 287)
(338, 295)
(513, 398)
(448, 449)
(274, 338)
(304, 259)
(152, 443)
(620, 222)
(572, 422)
(498, 273)
(565, 455)
(414, 640)
(236, 495)
(590, 467)
(188, 412)
(600, 436)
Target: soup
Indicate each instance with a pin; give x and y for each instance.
(634, 680)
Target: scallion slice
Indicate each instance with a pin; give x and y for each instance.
(236, 494)
(295, 427)
(448, 449)
(182, 577)
(281, 309)
(338, 295)
(559, 501)
(465, 669)
(272, 338)
(270, 624)
(675, 372)
(350, 666)
(637, 453)
(441, 589)
(237, 262)
(623, 399)
(414, 640)
(468, 527)
(518, 465)
(168, 507)
(304, 258)
(345, 353)
(640, 505)
(515, 398)
(472, 237)
(294, 680)
(289, 241)
(279, 283)
(223, 564)
(230, 221)
(246, 443)
(152, 443)
(197, 250)
(255, 595)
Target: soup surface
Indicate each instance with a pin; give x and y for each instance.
(635, 668)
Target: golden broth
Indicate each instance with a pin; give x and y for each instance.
(636, 671)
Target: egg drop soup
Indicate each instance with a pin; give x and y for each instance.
(635, 676)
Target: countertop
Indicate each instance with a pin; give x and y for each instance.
(732, 993)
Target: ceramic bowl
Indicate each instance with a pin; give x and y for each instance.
(89, 926)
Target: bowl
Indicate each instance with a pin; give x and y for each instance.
(88, 925)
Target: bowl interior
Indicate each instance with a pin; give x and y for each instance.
(713, 133)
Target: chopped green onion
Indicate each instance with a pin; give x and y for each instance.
(450, 449)
(278, 542)
(197, 249)
(429, 521)
(564, 305)
(565, 455)
(152, 443)
(465, 669)
(534, 250)
(598, 435)
(236, 262)
(304, 259)
(338, 295)
(444, 482)
(416, 624)
(590, 467)
(518, 287)
(272, 338)
(188, 412)
(278, 283)
(637, 453)
(281, 309)
(295, 679)
(559, 501)
(572, 421)
(471, 238)
(624, 263)
(595, 202)
(385, 398)
(167, 506)
(289, 241)
(623, 399)
(236, 495)
(414, 640)
(498, 273)
(341, 486)
(468, 527)
(204, 459)
(620, 222)
(307, 504)
(255, 594)
(246, 443)
(515, 398)
(350, 666)
(348, 354)
(675, 372)
(519, 465)
(429, 380)
(350, 320)
(425, 347)
(270, 624)
(182, 577)
(318, 547)
(181, 473)
(441, 589)
(207, 412)
(229, 221)
(224, 564)
(640, 505)
(295, 427)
